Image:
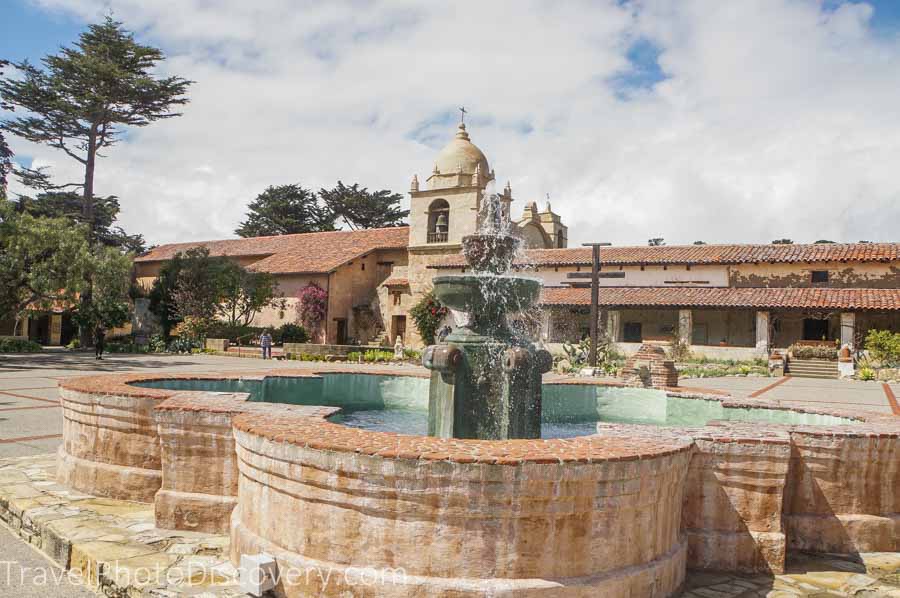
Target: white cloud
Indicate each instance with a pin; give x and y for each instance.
(777, 117)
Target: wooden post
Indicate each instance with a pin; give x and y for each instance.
(595, 299)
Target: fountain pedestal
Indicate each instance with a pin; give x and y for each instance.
(485, 389)
(486, 380)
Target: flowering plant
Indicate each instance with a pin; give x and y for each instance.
(313, 306)
(427, 315)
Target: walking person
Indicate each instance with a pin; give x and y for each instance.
(99, 342)
(265, 342)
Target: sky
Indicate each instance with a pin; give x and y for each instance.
(693, 120)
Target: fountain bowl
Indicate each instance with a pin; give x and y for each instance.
(487, 293)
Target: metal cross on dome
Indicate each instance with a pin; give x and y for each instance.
(462, 114)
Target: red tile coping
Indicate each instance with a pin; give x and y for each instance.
(305, 425)
(21, 396)
(769, 387)
(892, 400)
(323, 435)
(234, 403)
(123, 384)
(701, 254)
(29, 438)
(727, 297)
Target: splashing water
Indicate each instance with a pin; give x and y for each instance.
(489, 385)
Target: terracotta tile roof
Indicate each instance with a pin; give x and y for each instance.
(396, 282)
(807, 298)
(706, 254)
(303, 253)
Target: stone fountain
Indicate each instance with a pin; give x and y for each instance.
(486, 378)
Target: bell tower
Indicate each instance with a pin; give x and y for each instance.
(446, 209)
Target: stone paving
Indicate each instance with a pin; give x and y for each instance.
(108, 545)
(806, 392)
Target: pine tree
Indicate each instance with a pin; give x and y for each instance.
(361, 208)
(81, 101)
(285, 210)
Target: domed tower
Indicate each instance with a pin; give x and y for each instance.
(446, 210)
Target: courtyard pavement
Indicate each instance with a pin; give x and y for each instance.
(806, 392)
(31, 422)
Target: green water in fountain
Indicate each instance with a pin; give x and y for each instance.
(400, 403)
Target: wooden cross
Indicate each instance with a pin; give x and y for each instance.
(462, 115)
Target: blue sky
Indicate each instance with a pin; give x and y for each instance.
(29, 32)
(698, 119)
(32, 32)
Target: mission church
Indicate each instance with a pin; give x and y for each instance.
(734, 301)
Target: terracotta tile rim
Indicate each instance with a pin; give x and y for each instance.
(313, 432)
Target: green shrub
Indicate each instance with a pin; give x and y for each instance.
(884, 346)
(290, 333)
(679, 349)
(866, 374)
(412, 355)
(183, 345)
(718, 370)
(353, 356)
(376, 356)
(814, 352)
(305, 357)
(18, 345)
(157, 344)
(74, 344)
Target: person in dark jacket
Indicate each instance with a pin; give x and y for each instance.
(99, 342)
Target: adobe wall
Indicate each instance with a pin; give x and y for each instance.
(649, 276)
(289, 285)
(875, 275)
(420, 277)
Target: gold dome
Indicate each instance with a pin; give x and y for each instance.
(461, 154)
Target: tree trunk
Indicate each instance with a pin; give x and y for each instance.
(85, 333)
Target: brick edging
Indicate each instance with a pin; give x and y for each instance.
(892, 400)
(765, 389)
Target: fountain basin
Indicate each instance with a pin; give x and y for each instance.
(303, 487)
(590, 516)
(487, 294)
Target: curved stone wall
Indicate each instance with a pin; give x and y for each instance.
(110, 446)
(844, 492)
(111, 437)
(199, 463)
(506, 518)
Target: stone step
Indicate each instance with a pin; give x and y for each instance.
(813, 368)
(818, 368)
